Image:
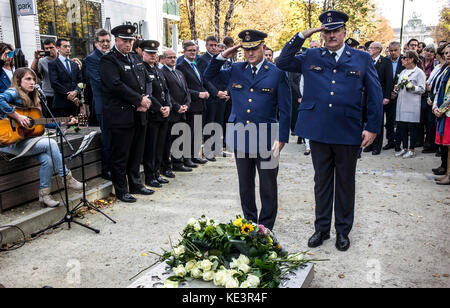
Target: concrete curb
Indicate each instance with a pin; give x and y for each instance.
(43, 218)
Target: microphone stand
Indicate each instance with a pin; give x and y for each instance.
(68, 217)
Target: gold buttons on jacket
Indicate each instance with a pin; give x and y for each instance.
(248, 122)
(335, 71)
(333, 82)
(331, 105)
(250, 100)
(332, 93)
(248, 111)
(251, 90)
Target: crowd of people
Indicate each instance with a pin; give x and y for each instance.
(136, 96)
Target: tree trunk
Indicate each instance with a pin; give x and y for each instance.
(226, 24)
(217, 19)
(191, 16)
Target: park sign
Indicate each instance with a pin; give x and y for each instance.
(26, 7)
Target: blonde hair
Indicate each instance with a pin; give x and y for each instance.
(28, 100)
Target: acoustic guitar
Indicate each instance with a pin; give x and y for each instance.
(12, 132)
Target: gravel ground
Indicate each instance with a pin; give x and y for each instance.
(401, 235)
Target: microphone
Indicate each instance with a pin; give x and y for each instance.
(42, 96)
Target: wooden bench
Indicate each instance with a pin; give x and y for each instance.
(19, 179)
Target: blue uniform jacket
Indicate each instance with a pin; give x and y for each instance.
(92, 64)
(331, 110)
(255, 100)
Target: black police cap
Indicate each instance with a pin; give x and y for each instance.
(352, 42)
(124, 32)
(149, 46)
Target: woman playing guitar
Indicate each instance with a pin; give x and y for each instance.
(23, 94)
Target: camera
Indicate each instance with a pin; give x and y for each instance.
(44, 53)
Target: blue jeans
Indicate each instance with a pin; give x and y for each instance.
(47, 152)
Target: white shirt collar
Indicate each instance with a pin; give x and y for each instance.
(170, 69)
(376, 59)
(63, 59)
(258, 66)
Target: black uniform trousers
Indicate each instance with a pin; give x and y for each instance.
(190, 120)
(155, 143)
(268, 190)
(127, 149)
(335, 168)
(389, 112)
(215, 113)
(169, 161)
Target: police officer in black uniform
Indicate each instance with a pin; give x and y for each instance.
(127, 90)
(157, 130)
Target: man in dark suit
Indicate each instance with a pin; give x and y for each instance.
(330, 115)
(181, 101)
(102, 43)
(393, 134)
(199, 94)
(385, 77)
(127, 90)
(215, 104)
(158, 116)
(64, 77)
(259, 91)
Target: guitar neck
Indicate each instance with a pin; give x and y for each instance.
(44, 121)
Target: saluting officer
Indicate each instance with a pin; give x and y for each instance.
(127, 90)
(331, 117)
(157, 130)
(258, 90)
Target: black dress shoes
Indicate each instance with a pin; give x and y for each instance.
(376, 152)
(211, 158)
(127, 198)
(342, 242)
(107, 176)
(161, 180)
(367, 150)
(317, 239)
(153, 183)
(428, 151)
(199, 161)
(169, 174)
(439, 171)
(389, 146)
(181, 168)
(142, 191)
(188, 163)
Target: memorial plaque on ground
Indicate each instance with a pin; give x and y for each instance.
(154, 278)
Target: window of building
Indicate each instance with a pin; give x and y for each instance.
(76, 20)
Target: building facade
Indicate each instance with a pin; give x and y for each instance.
(77, 20)
(416, 29)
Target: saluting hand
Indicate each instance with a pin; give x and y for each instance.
(231, 52)
(309, 32)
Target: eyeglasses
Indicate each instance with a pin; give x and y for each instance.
(171, 57)
(191, 50)
(104, 42)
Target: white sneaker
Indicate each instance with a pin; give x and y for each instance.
(401, 153)
(410, 154)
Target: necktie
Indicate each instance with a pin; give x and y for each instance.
(254, 69)
(177, 77)
(333, 54)
(196, 71)
(68, 65)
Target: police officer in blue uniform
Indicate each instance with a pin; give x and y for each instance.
(258, 90)
(331, 117)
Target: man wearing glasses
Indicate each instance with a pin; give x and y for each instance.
(102, 43)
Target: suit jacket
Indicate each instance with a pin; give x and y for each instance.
(5, 83)
(160, 93)
(195, 86)
(179, 93)
(63, 82)
(385, 76)
(255, 101)
(124, 82)
(331, 109)
(92, 67)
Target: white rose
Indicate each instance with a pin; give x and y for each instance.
(206, 265)
(404, 77)
(180, 271)
(243, 259)
(246, 285)
(253, 281)
(295, 257)
(192, 222)
(190, 265)
(169, 284)
(197, 226)
(220, 278)
(234, 263)
(409, 85)
(273, 255)
(231, 283)
(196, 272)
(208, 276)
(244, 268)
(177, 251)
